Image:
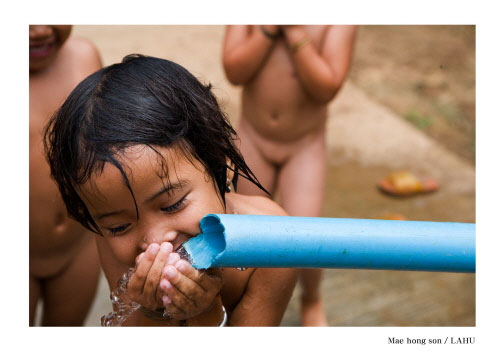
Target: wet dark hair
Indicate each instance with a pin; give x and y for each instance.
(142, 100)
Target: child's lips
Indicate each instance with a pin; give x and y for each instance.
(41, 49)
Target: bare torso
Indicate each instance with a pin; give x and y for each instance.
(274, 101)
(54, 238)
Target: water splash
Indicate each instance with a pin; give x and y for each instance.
(184, 254)
(123, 306)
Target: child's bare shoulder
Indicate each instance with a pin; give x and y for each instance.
(259, 205)
(82, 53)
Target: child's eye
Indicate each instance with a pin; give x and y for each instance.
(175, 207)
(115, 230)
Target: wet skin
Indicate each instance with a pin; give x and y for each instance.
(170, 208)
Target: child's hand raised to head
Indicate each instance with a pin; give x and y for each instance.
(143, 286)
(188, 292)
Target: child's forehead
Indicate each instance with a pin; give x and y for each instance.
(143, 167)
(156, 157)
(144, 163)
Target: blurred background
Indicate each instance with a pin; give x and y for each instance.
(408, 103)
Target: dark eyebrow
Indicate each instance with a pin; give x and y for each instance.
(165, 189)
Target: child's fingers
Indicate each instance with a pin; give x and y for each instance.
(154, 274)
(187, 287)
(171, 259)
(187, 270)
(139, 258)
(187, 290)
(211, 280)
(177, 298)
(138, 279)
(172, 310)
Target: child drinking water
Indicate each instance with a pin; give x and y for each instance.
(63, 261)
(141, 152)
(289, 75)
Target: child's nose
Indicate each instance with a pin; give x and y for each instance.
(158, 238)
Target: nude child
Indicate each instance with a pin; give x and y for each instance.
(289, 75)
(63, 261)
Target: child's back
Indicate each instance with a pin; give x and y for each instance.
(63, 259)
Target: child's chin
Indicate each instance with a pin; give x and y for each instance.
(41, 57)
(40, 63)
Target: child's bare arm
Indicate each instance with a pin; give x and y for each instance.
(321, 71)
(268, 290)
(245, 49)
(266, 298)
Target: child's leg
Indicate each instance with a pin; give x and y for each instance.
(263, 169)
(35, 292)
(312, 309)
(69, 295)
(301, 183)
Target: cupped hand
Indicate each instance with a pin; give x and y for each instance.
(189, 292)
(143, 286)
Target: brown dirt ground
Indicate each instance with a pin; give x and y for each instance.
(426, 74)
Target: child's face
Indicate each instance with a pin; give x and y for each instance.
(45, 42)
(169, 210)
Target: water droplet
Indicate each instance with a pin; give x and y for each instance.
(123, 306)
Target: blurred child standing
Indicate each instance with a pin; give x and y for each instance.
(64, 266)
(289, 75)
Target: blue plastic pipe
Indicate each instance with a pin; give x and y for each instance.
(306, 242)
